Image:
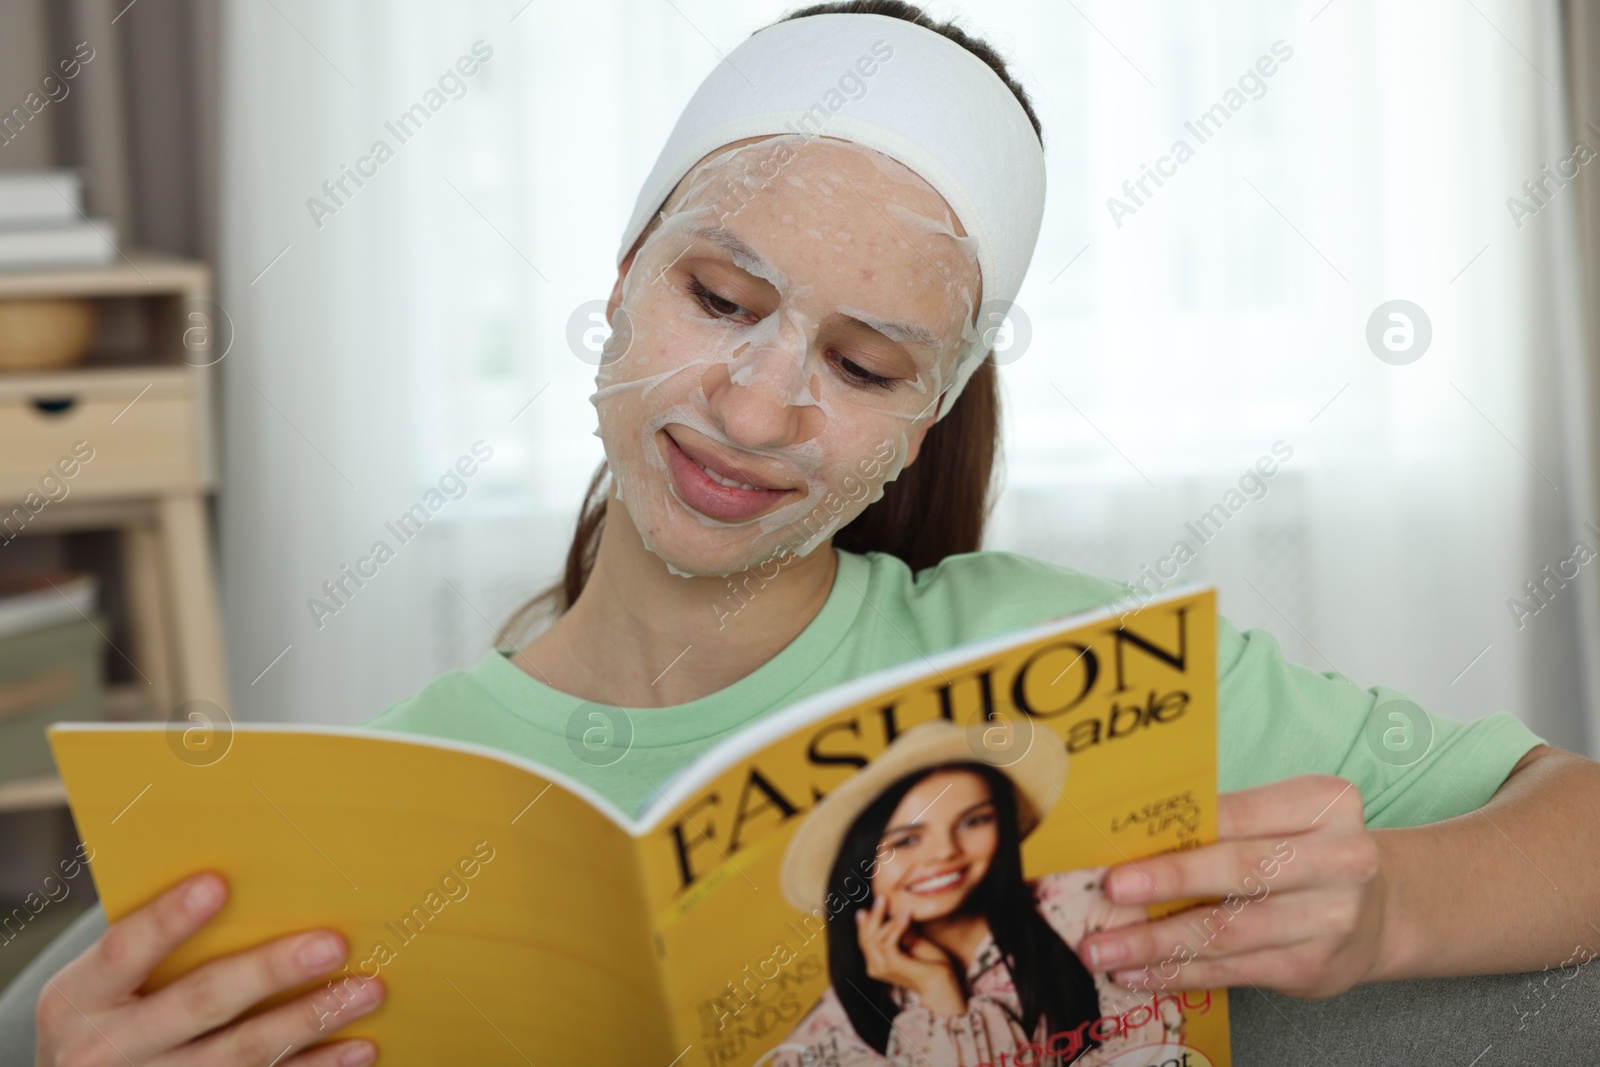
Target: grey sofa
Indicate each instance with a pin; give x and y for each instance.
(1551, 1018)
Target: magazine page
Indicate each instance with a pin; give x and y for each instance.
(904, 879)
(500, 906)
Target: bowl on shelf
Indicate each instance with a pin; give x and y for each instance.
(46, 334)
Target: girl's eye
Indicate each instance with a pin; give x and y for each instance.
(858, 374)
(714, 304)
(724, 308)
(982, 819)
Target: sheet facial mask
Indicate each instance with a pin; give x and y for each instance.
(779, 347)
(907, 91)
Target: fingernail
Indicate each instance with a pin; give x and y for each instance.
(1103, 954)
(1127, 885)
(202, 896)
(320, 952)
(368, 994)
(1131, 979)
(358, 1055)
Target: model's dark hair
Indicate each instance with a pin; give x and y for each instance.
(938, 505)
(1051, 982)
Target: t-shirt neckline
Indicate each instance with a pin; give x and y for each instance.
(551, 709)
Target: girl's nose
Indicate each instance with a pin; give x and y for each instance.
(945, 845)
(764, 398)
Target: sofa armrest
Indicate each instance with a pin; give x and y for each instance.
(1550, 1016)
(17, 1042)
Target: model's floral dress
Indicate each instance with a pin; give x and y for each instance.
(1073, 904)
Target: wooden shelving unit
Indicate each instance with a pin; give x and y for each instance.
(27, 794)
(143, 401)
(124, 703)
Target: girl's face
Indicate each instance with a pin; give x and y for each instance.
(944, 835)
(780, 342)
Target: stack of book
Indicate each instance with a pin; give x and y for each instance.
(42, 222)
(51, 663)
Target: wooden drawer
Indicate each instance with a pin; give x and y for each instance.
(90, 424)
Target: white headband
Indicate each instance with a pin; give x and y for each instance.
(891, 85)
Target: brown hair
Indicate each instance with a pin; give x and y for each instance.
(937, 506)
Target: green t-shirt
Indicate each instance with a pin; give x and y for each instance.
(1275, 718)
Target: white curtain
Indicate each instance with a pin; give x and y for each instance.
(1172, 338)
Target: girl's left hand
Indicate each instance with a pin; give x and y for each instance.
(897, 954)
(1303, 899)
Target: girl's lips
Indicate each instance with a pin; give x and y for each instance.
(943, 882)
(725, 502)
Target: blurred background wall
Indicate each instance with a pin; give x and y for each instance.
(1158, 351)
(141, 118)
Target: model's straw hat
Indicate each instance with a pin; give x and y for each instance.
(1036, 765)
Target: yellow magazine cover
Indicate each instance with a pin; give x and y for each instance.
(896, 871)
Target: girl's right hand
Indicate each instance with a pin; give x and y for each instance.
(90, 1013)
(898, 955)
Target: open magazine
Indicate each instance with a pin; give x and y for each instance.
(896, 871)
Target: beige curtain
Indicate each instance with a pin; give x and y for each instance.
(140, 116)
(1581, 32)
(1583, 86)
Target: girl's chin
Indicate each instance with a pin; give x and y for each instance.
(700, 560)
(924, 910)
